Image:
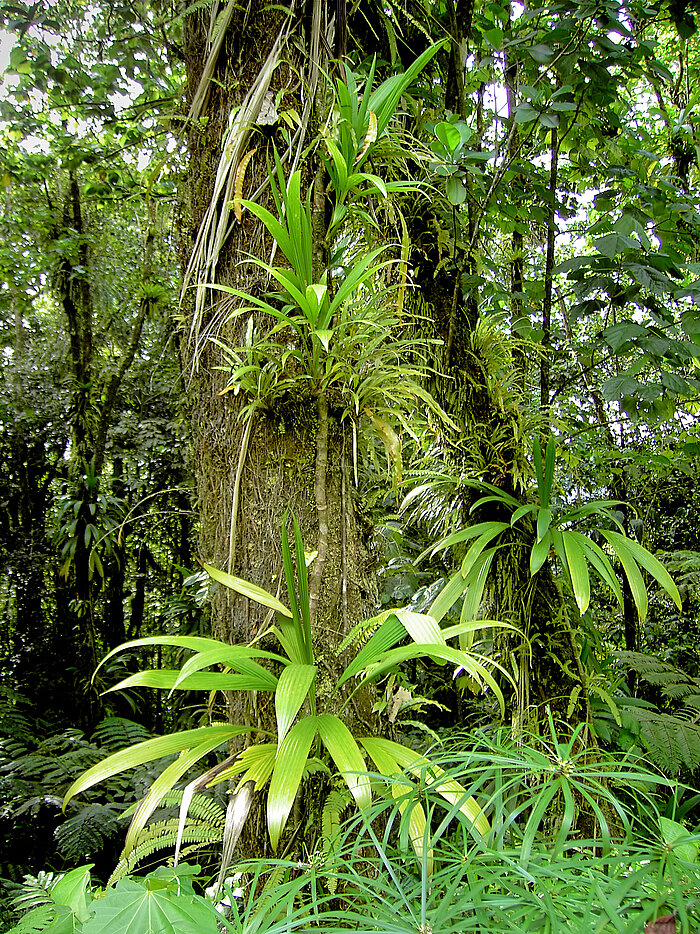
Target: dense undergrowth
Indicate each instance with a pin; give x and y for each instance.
(578, 841)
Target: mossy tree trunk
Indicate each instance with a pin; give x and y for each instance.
(293, 453)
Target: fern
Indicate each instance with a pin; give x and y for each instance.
(33, 890)
(35, 921)
(205, 826)
(673, 682)
(114, 733)
(15, 723)
(162, 835)
(671, 742)
(685, 567)
(87, 831)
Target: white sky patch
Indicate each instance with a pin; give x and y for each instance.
(7, 40)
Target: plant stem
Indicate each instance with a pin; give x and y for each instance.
(321, 505)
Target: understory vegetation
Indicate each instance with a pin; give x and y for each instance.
(349, 454)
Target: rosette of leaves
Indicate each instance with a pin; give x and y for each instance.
(555, 533)
(308, 729)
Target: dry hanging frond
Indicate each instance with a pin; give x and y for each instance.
(238, 185)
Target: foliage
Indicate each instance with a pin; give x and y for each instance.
(298, 742)
(36, 767)
(163, 900)
(534, 872)
(575, 551)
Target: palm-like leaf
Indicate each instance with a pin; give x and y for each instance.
(286, 776)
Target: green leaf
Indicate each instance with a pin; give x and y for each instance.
(600, 563)
(475, 582)
(195, 643)
(438, 653)
(677, 838)
(385, 99)
(384, 751)
(149, 750)
(237, 657)
(165, 679)
(255, 763)
(525, 113)
(286, 776)
(541, 53)
(345, 752)
(492, 530)
(133, 907)
(292, 690)
(578, 570)
(539, 552)
(165, 782)
(246, 589)
(421, 627)
(631, 554)
(448, 596)
(389, 633)
(449, 135)
(456, 190)
(544, 520)
(72, 890)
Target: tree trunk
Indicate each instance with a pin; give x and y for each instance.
(252, 466)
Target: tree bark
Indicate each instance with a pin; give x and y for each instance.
(292, 453)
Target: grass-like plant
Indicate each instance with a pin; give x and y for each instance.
(534, 872)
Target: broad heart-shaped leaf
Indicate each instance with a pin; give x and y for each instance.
(150, 750)
(292, 690)
(578, 570)
(246, 589)
(345, 752)
(430, 774)
(72, 889)
(133, 907)
(632, 555)
(286, 776)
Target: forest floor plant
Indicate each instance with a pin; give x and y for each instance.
(311, 733)
(532, 871)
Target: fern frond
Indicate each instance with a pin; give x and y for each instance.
(115, 733)
(162, 835)
(672, 743)
(203, 807)
(87, 831)
(672, 681)
(33, 890)
(35, 921)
